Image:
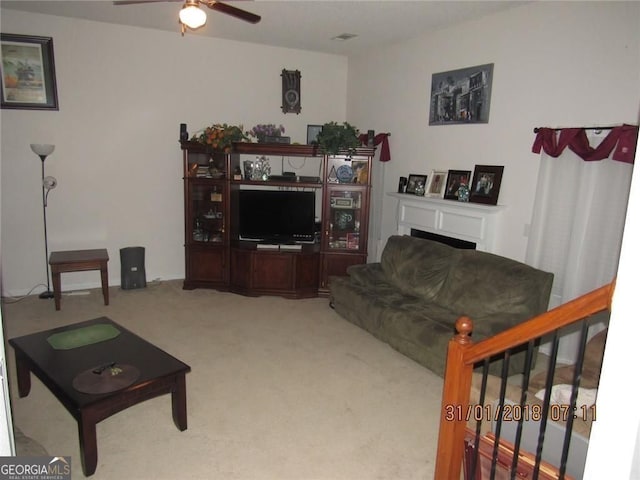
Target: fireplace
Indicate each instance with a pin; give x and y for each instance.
(473, 223)
(454, 242)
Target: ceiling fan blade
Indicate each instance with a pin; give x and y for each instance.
(132, 2)
(233, 11)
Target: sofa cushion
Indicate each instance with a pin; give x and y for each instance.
(364, 305)
(418, 266)
(367, 274)
(483, 284)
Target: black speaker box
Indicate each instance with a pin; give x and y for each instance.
(132, 271)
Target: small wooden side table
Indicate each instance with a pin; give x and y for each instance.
(78, 261)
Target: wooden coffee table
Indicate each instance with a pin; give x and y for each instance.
(159, 373)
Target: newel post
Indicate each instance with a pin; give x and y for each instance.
(455, 401)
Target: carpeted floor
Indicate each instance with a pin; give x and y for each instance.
(279, 389)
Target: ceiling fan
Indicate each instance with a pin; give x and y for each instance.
(191, 16)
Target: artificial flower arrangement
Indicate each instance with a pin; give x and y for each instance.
(263, 130)
(220, 136)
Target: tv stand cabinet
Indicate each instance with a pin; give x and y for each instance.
(290, 274)
(216, 258)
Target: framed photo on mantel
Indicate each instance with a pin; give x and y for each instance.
(436, 184)
(456, 178)
(414, 181)
(486, 184)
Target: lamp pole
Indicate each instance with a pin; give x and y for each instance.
(48, 293)
(43, 151)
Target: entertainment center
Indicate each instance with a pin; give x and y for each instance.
(285, 235)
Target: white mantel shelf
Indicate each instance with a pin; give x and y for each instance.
(473, 222)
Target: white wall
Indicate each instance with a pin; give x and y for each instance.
(622, 455)
(555, 64)
(123, 91)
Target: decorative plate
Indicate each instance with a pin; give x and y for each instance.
(345, 174)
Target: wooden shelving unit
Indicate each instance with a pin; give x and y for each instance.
(216, 258)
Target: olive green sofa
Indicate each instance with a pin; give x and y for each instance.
(413, 296)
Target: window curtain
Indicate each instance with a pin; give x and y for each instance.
(578, 216)
(383, 154)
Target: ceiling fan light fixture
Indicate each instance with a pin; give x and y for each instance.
(192, 16)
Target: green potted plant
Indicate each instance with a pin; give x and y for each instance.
(335, 138)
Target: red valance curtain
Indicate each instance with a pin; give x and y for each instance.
(622, 138)
(385, 154)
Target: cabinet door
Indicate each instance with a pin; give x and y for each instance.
(206, 212)
(205, 265)
(345, 219)
(240, 274)
(273, 271)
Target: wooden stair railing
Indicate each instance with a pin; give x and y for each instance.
(463, 354)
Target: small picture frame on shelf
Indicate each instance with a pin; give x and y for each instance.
(455, 178)
(344, 219)
(437, 182)
(360, 172)
(486, 184)
(413, 181)
(353, 241)
(312, 134)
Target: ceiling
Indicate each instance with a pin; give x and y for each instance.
(300, 24)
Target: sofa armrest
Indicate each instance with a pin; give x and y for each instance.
(368, 274)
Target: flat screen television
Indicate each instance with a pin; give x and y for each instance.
(277, 216)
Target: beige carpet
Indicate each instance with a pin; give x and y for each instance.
(279, 389)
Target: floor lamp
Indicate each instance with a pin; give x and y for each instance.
(43, 151)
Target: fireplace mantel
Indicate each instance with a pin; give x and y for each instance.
(473, 222)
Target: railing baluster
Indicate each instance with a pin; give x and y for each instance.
(463, 354)
(476, 443)
(498, 411)
(523, 405)
(577, 376)
(545, 403)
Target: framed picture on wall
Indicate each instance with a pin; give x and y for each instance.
(461, 96)
(28, 72)
(455, 178)
(414, 181)
(486, 184)
(436, 185)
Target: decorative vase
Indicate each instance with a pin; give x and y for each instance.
(463, 193)
(261, 169)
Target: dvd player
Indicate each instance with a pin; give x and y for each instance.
(293, 178)
(308, 179)
(282, 178)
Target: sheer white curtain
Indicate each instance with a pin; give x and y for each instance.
(576, 229)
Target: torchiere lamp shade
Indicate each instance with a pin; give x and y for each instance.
(42, 149)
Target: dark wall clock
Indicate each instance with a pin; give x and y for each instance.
(291, 91)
